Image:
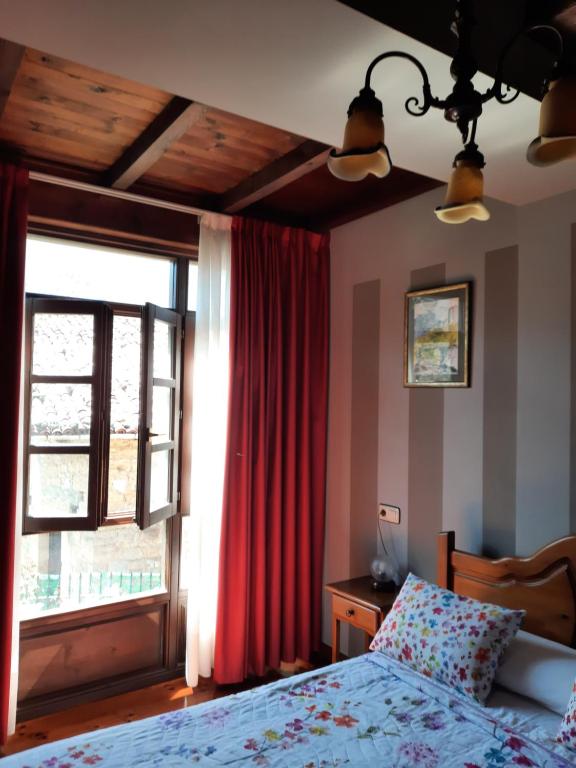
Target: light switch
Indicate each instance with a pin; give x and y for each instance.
(389, 513)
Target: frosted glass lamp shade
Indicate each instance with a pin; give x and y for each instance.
(384, 573)
(557, 133)
(464, 196)
(363, 149)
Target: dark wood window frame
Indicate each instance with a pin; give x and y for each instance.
(106, 517)
(40, 305)
(98, 447)
(147, 447)
(172, 602)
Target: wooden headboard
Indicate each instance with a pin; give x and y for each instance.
(544, 585)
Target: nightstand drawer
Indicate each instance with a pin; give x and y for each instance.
(355, 614)
(355, 602)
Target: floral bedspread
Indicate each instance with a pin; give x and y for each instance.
(367, 711)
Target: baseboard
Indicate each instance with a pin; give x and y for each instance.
(55, 702)
(41, 706)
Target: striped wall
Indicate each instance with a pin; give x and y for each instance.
(500, 401)
(364, 418)
(425, 453)
(495, 462)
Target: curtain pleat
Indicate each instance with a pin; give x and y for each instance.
(209, 424)
(272, 540)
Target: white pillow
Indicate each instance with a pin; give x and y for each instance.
(539, 669)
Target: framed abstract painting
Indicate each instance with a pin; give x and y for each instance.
(437, 337)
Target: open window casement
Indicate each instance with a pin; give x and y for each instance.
(160, 416)
(102, 414)
(66, 413)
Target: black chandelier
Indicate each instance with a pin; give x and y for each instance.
(364, 150)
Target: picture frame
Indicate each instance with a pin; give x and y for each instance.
(437, 337)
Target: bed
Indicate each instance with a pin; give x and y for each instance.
(369, 710)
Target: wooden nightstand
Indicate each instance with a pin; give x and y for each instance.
(355, 602)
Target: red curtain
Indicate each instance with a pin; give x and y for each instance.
(271, 555)
(13, 218)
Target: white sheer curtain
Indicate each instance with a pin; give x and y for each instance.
(209, 427)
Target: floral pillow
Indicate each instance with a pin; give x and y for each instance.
(453, 639)
(567, 732)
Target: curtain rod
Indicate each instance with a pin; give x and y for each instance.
(84, 186)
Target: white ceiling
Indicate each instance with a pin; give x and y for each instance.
(294, 64)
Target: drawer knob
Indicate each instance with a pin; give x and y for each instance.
(350, 612)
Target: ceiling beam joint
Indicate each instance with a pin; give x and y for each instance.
(177, 117)
(278, 174)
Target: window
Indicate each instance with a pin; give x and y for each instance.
(65, 407)
(61, 268)
(124, 416)
(158, 461)
(80, 388)
(77, 569)
(102, 425)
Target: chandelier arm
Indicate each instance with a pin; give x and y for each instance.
(502, 97)
(559, 51)
(496, 90)
(414, 105)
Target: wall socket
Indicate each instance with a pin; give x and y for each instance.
(389, 513)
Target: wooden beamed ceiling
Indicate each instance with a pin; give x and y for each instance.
(11, 56)
(172, 123)
(79, 123)
(288, 168)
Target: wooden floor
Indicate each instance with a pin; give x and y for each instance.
(146, 702)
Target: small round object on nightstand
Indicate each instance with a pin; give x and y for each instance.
(383, 574)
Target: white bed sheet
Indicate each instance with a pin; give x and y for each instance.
(524, 715)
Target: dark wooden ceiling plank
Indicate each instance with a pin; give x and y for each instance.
(60, 71)
(52, 147)
(192, 197)
(89, 88)
(62, 169)
(338, 217)
(174, 120)
(320, 201)
(277, 174)
(11, 55)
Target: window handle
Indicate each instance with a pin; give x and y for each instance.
(150, 434)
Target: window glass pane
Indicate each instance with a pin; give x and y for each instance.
(163, 350)
(63, 344)
(161, 414)
(160, 479)
(58, 485)
(60, 414)
(124, 416)
(61, 268)
(192, 286)
(76, 569)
